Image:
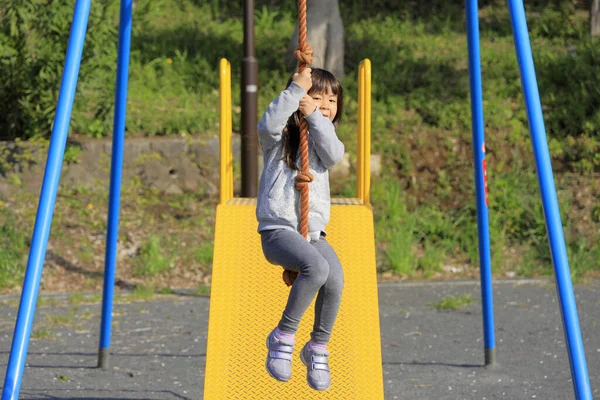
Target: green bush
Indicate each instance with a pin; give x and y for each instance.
(558, 20)
(33, 43)
(418, 53)
(569, 84)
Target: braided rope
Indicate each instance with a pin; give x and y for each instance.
(304, 55)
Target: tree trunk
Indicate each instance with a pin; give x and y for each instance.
(325, 34)
(595, 18)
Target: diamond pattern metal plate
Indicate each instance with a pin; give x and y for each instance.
(248, 297)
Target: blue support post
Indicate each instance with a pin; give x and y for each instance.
(556, 238)
(485, 264)
(115, 182)
(45, 211)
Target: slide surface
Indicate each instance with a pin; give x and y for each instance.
(248, 297)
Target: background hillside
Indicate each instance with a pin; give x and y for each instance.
(424, 198)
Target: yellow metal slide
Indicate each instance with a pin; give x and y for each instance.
(248, 294)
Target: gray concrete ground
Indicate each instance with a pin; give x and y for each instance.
(158, 346)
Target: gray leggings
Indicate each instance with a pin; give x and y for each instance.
(320, 272)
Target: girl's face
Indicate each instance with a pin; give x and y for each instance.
(326, 102)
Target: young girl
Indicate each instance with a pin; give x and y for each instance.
(317, 96)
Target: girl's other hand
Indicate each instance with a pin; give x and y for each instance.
(307, 105)
(304, 79)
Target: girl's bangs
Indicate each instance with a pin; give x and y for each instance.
(322, 81)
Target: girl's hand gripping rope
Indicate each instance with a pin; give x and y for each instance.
(307, 106)
(303, 79)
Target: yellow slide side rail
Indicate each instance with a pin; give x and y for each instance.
(363, 167)
(363, 157)
(225, 131)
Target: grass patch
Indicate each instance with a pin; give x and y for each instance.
(166, 290)
(13, 250)
(152, 259)
(395, 228)
(204, 254)
(60, 320)
(142, 293)
(202, 290)
(47, 301)
(42, 333)
(453, 302)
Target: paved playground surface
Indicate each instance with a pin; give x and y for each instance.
(158, 346)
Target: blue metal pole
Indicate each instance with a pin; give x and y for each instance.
(485, 264)
(115, 182)
(43, 220)
(537, 129)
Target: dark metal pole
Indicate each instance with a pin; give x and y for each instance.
(249, 106)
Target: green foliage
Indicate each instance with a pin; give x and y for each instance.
(395, 227)
(72, 154)
(516, 197)
(33, 43)
(583, 256)
(596, 212)
(14, 247)
(418, 52)
(152, 259)
(558, 20)
(21, 155)
(420, 86)
(204, 254)
(570, 90)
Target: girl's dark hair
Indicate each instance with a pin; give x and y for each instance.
(321, 80)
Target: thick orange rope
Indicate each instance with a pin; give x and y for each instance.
(304, 55)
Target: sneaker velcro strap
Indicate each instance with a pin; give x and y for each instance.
(281, 355)
(282, 347)
(318, 366)
(317, 359)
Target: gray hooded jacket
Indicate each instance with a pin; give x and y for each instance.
(278, 204)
